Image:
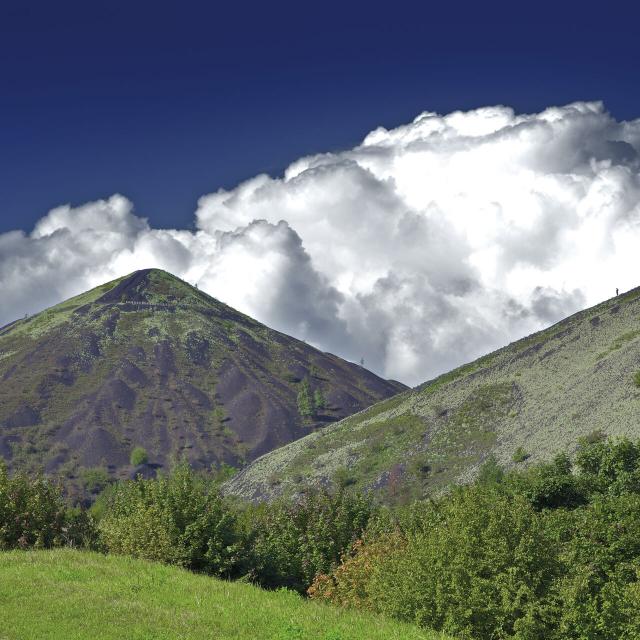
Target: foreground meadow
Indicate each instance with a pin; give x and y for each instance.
(76, 595)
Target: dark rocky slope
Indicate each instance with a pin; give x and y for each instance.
(148, 360)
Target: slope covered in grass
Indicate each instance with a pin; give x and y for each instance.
(72, 595)
(522, 403)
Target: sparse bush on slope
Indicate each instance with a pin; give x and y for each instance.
(138, 456)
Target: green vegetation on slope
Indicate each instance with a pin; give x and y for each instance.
(181, 519)
(73, 595)
(552, 552)
(538, 395)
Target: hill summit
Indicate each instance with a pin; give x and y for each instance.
(150, 361)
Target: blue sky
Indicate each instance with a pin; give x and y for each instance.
(166, 102)
(417, 246)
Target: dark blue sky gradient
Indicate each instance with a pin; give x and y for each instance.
(164, 103)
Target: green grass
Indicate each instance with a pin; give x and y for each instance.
(73, 595)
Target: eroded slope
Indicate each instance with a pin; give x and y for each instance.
(148, 360)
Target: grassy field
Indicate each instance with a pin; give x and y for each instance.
(75, 595)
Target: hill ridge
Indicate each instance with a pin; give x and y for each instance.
(540, 393)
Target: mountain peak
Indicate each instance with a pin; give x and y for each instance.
(149, 360)
(151, 286)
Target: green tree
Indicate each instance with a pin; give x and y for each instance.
(319, 401)
(305, 399)
(138, 456)
(178, 519)
(602, 560)
(292, 542)
(34, 514)
(477, 564)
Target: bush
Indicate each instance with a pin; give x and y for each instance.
(319, 401)
(292, 543)
(479, 565)
(519, 455)
(343, 478)
(179, 519)
(609, 466)
(348, 585)
(490, 473)
(95, 479)
(305, 400)
(138, 456)
(598, 597)
(550, 552)
(33, 514)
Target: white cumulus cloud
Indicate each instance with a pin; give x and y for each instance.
(421, 248)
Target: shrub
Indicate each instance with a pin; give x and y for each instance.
(610, 466)
(293, 542)
(519, 455)
(490, 473)
(343, 478)
(347, 586)
(178, 519)
(138, 456)
(598, 597)
(636, 378)
(305, 400)
(478, 564)
(553, 491)
(33, 514)
(95, 479)
(319, 401)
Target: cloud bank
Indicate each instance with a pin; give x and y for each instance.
(423, 247)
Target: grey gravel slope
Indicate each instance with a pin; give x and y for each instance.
(541, 393)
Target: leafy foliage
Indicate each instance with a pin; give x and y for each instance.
(551, 552)
(33, 514)
(177, 519)
(138, 456)
(305, 400)
(95, 479)
(319, 401)
(292, 542)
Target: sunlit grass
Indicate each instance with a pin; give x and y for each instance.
(74, 595)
